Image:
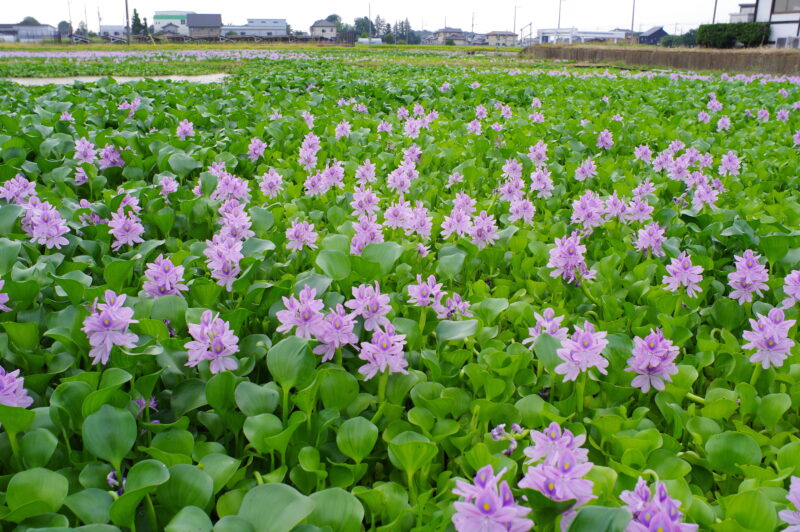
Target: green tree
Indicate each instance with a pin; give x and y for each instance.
(64, 27)
(388, 38)
(136, 23)
(364, 27)
(29, 21)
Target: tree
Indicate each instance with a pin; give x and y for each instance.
(288, 29)
(136, 23)
(380, 26)
(83, 29)
(145, 27)
(336, 19)
(364, 27)
(388, 38)
(64, 27)
(29, 21)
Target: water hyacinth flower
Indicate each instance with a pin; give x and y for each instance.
(223, 255)
(605, 140)
(163, 278)
(582, 351)
(546, 323)
(730, 164)
(308, 118)
(792, 517)
(769, 336)
(308, 151)
(185, 129)
(131, 106)
(107, 326)
(453, 307)
(66, 116)
(236, 221)
(567, 259)
(749, 277)
(230, 187)
(557, 465)
(125, 228)
(336, 331)
(371, 305)
(271, 183)
(17, 190)
(365, 173)
(588, 210)
(724, 123)
(586, 170)
(538, 154)
(213, 340)
(650, 239)
(383, 353)
(499, 434)
(342, 129)
(483, 230)
(426, 293)
(303, 313)
(85, 151)
(44, 224)
(256, 149)
(110, 157)
(791, 287)
(653, 361)
(681, 272)
(654, 511)
(4, 298)
(12, 389)
(300, 235)
(542, 183)
(488, 505)
(168, 186)
(522, 209)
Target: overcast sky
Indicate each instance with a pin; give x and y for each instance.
(674, 15)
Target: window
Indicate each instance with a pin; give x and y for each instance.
(269, 33)
(183, 21)
(786, 6)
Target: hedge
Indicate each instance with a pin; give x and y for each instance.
(726, 35)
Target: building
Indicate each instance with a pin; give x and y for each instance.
(177, 18)
(366, 40)
(652, 36)
(477, 39)
(501, 38)
(259, 27)
(443, 35)
(204, 26)
(573, 35)
(27, 32)
(323, 28)
(784, 20)
(113, 32)
(171, 28)
(747, 13)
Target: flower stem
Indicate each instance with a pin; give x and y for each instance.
(382, 382)
(696, 398)
(678, 305)
(585, 289)
(580, 388)
(756, 375)
(338, 356)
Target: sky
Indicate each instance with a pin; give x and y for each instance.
(677, 16)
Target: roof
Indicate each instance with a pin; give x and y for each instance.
(323, 23)
(653, 30)
(194, 20)
(498, 33)
(449, 30)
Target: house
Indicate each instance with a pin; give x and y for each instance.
(170, 28)
(572, 35)
(204, 26)
(177, 18)
(477, 39)
(652, 36)
(443, 35)
(259, 27)
(747, 13)
(501, 38)
(110, 31)
(27, 32)
(367, 40)
(784, 20)
(323, 28)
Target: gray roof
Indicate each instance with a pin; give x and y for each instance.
(323, 23)
(195, 20)
(651, 31)
(449, 30)
(502, 33)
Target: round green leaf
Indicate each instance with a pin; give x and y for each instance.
(727, 450)
(109, 434)
(337, 509)
(356, 438)
(286, 506)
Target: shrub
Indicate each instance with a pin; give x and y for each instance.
(726, 35)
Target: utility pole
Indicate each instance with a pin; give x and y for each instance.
(69, 12)
(634, 39)
(472, 30)
(559, 13)
(127, 23)
(714, 18)
(514, 28)
(369, 22)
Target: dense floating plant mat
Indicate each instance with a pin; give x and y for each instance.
(326, 296)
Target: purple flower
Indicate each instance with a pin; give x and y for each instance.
(475, 127)
(365, 173)
(303, 313)
(638, 210)
(107, 326)
(131, 107)
(384, 352)
(384, 127)
(654, 512)
(235, 221)
(3, 298)
(271, 183)
(300, 235)
(650, 238)
(581, 352)
(185, 129)
(256, 149)
(85, 151)
(484, 230)
(546, 323)
(749, 277)
(605, 140)
(681, 272)
(730, 164)
(724, 124)
(44, 224)
(425, 293)
(367, 231)
(308, 151)
(792, 517)
(791, 287)
(163, 278)
(487, 507)
(542, 183)
(769, 336)
(168, 185)
(17, 190)
(457, 222)
(12, 389)
(146, 404)
(588, 210)
(342, 129)
(230, 186)
(454, 306)
(653, 360)
(213, 340)
(567, 259)
(66, 117)
(365, 201)
(110, 157)
(223, 254)
(308, 118)
(538, 154)
(522, 209)
(336, 331)
(125, 228)
(80, 176)
(586, 170)
(370, 304)
(703, 117)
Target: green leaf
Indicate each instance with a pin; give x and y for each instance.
(287, 508)
(384, 254)
(187, 486)
(189, 519)
(447, 330)
(90, 505)
(338, 388)
(337, 509)
(23, 335)
(220, 467)
(33, 492)
(182, 164)
(143, 478)
(600, 519)
(220, 391)
(751, 509)
(172, 308)
(109, 434)
(490, 308)
(356, 438)
(334, 264)
(253, 399)
(15, 419)
(117, 273)
(289, 361)
(38, 446)
(772, 408)
(8, 217)
(727, 450)
(411, 451)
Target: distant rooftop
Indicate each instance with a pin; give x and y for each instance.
(323, 23)
(498, 33)
(449, 30)
(194, 20)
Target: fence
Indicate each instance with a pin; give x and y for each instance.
(770, 61)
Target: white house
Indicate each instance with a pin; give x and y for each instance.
(783, 17)
(27, 32)
(259, 27)
(502, 38)
(323, 28)
(178, 18)
(571, 35)
(747, 13)
(441, 36)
